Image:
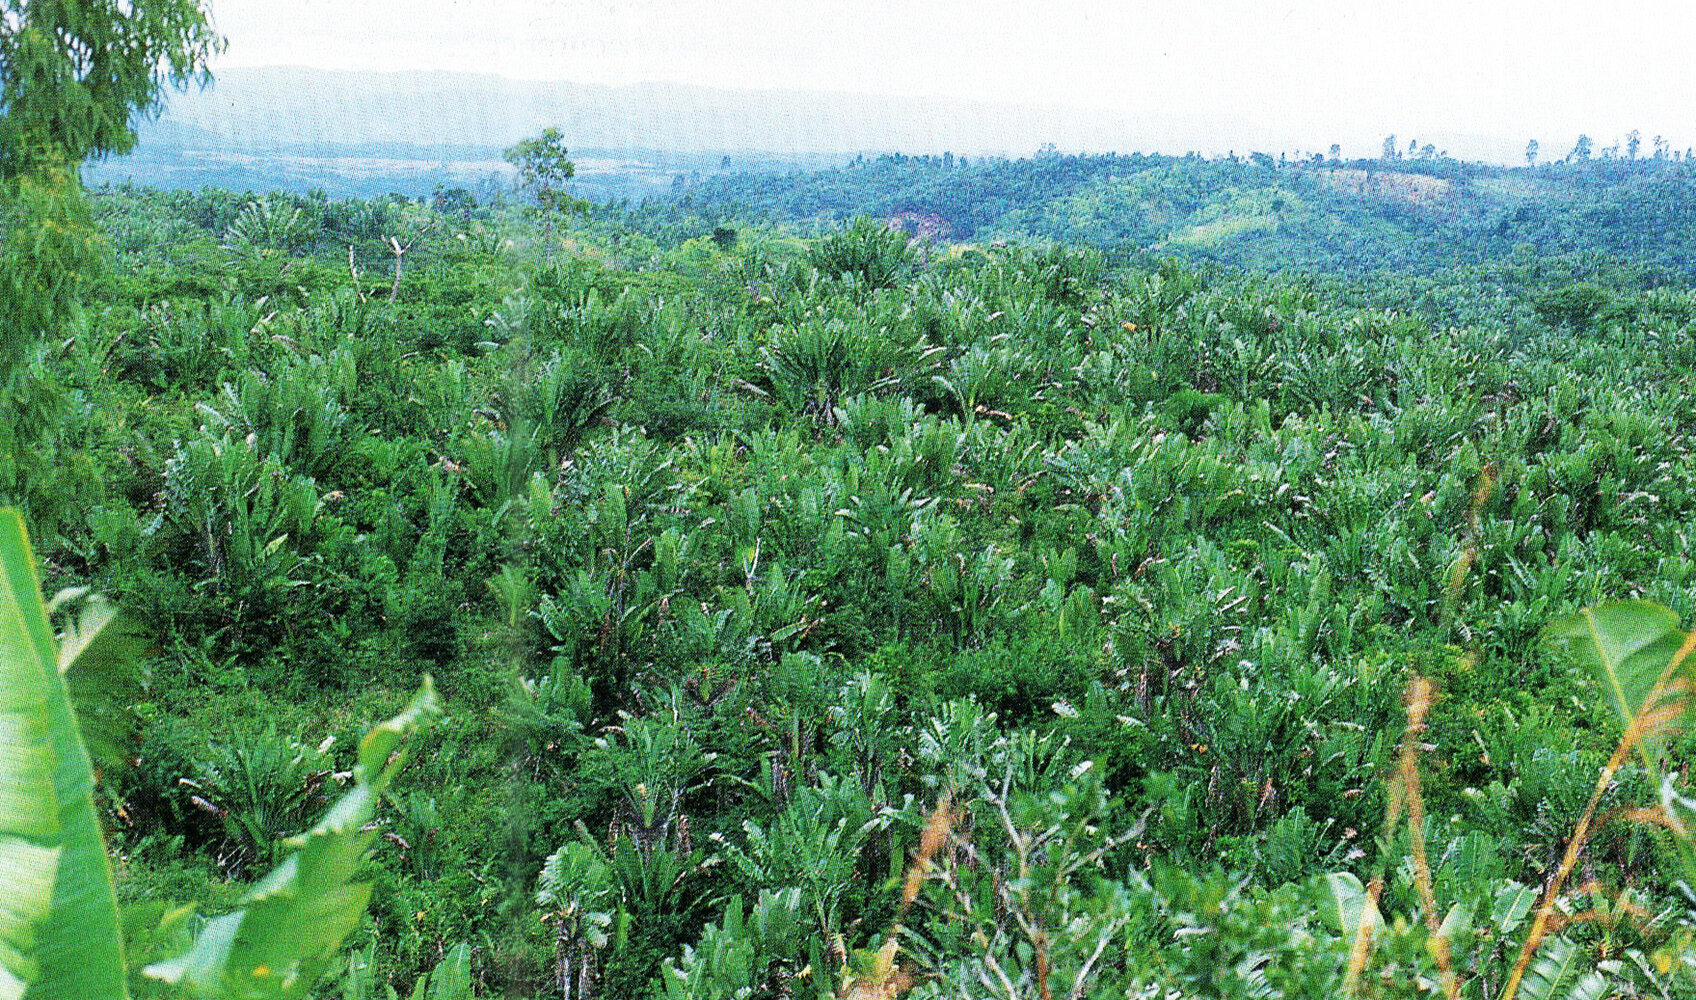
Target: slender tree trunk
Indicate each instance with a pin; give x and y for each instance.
(399, 252)
(585, 972)
(562, 964)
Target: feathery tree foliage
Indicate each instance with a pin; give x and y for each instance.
(74, 75)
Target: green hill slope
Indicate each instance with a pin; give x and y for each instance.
(1352, 217)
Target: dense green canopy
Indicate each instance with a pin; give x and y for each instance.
(75, 73)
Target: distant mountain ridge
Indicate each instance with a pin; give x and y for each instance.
(272, 108)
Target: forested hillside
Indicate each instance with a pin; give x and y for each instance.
(825, 614)
(1359, 216)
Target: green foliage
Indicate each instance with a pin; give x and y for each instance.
(578, 893)
(73, 75)
(262, 789)
(101, 652)
(874, 255)
(1061, 917)
(268, 227)
(744, 954)
(1575, 306)
(732, 569)
(292, 923)
(543, 167)
(241, 518)
(61, 930)
(449, 980)
(821, 362)
(815, 845)
(50, 248)
(1633, 649)
(59, 922)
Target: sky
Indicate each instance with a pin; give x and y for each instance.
(1332, 70)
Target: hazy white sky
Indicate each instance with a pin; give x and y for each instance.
(1508, 68)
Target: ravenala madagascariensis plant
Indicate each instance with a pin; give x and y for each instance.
(59, 922)
(1638, 658)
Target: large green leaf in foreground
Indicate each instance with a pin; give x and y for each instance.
(1629, 646)
(100, 654)
(294, 921)
(59, 933)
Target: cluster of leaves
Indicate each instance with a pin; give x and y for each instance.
(60, 931)
(735, 555)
